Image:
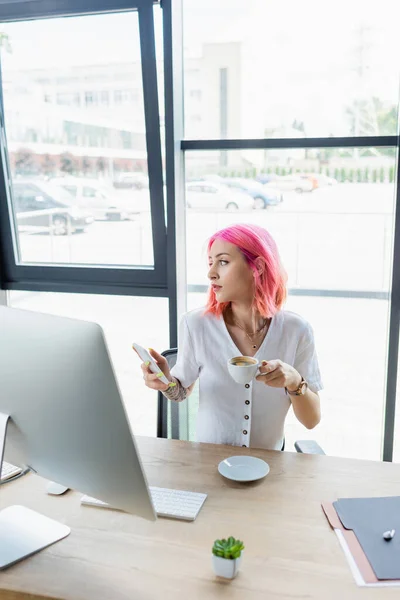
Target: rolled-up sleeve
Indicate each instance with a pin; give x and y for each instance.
(306, 361)
(186, 369)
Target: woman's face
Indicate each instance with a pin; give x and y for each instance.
(230, 275)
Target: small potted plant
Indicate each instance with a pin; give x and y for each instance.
(226, 557)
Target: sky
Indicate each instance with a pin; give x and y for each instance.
(305, 52)
(299, 27)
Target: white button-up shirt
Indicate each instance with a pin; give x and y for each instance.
(231, 413)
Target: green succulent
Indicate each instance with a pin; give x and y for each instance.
(229, 548)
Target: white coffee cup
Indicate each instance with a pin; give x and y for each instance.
(243, 368)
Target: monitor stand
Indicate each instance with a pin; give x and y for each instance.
(23, 532)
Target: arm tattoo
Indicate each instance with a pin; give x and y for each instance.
(176, 393)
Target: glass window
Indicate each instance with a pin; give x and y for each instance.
(89, 192)
(72, 189)
(62, 129)
(331, 213)
(90, 98)
(104, 97)
(68, 98)
(124, 96)
(264, 69)
(124, 319)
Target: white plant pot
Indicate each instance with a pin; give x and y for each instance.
(226, 567)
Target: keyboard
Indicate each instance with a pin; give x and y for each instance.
(173, 504)
(9, 471)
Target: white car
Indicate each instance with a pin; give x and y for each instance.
(291, 183)
(134, 179)
(324, 180)
(217, 196)
(102, 202)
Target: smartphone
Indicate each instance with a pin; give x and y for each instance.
(146, 357)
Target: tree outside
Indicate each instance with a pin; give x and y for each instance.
(101, 165)
(67, 163)
(85, 165)
(24, 162)
(48, 165)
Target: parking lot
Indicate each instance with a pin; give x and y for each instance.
(335, 238)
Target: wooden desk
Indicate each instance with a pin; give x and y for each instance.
(291, 552)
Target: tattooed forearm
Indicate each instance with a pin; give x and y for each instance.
(177, 393)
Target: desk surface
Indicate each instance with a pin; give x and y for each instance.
(291, 552)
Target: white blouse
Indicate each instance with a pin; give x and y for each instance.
(229, 412)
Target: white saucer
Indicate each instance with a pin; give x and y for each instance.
(243, 468)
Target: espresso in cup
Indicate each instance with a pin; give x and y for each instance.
(243, 361)
(243, 368)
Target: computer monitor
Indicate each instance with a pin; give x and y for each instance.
(67, 420)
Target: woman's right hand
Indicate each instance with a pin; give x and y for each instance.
(152, 380)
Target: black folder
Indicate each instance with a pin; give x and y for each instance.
(369, 518)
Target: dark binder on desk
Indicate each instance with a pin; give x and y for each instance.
(377, 560)
(369, 518)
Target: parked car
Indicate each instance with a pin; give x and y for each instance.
(133, 179)
(292, 183)
(34, 199)
(310, 177)
(207, 177)
(266, 178)
(262, 195)
(324, 180)
(211, 194)
(91, 194)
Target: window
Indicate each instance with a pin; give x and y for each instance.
(48, 143)
(278, 71)
(104, 98)
(68, 98)
(124, 320)
(331, 213)
(26, 198)
(277, 63)
(89, 192)
(123, 96)
(72, 189)
(70, 138)
(90, 98)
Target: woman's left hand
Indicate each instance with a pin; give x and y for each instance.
(279, 374)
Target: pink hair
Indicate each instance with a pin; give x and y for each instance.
(259, 248)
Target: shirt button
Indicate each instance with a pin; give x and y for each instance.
(247, 385)
(246, 417)
(247, 402)
(245, 431)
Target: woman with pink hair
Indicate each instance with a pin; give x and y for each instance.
(244, 316)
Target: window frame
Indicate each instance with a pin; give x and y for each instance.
(132, 280)
(171, 280)
(389, 408)
(186, 144)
